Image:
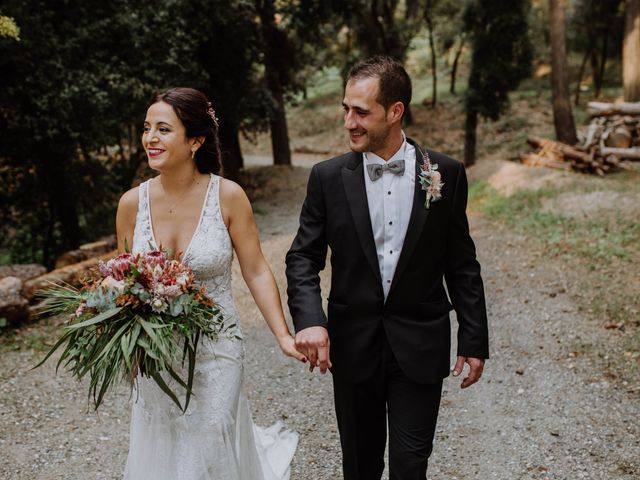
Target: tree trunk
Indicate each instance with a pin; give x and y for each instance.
(470, 127)
(583, 65)
(454, 68)
(595, 71)
(631, 52)
(232, 160)
(48, 257)
(408, 116)
(137, 156)
(62, 205)
(562, 115)
(603, 58)
(278, 120)
(434, 76)
(280, 133)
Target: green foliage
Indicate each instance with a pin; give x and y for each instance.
(67, 95)
(8, 28)
(376, 27)
(73, 95)
(449, 22)
(501, 55)
(590, 22)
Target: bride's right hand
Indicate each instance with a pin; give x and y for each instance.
(288, 347)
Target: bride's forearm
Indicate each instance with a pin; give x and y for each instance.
(265, 292)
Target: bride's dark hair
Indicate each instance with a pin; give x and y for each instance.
(199, 119)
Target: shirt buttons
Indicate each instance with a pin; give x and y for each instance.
(388, 281)
(389, 192)
(390, 251)
(390, 223)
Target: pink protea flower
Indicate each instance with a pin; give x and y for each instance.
(155, 258)
(172, 290)
(117, 267)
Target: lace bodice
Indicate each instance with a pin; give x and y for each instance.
(209, 253)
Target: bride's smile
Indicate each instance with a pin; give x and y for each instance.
(164, 138)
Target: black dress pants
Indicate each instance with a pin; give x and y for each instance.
(363, 411)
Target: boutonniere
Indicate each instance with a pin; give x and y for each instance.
(431, 181)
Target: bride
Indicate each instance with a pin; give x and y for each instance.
(191, 210)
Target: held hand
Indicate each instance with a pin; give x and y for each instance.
(476, 366)
(314, 343)
(288, 347)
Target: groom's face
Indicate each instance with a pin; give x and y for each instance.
(365, 118)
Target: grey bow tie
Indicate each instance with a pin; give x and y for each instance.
(376, 170)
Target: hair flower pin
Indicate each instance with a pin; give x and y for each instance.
(212, 113)
(430, 180)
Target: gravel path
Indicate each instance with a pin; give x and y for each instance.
(543, 410)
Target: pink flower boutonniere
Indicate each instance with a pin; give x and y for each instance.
(431, 181)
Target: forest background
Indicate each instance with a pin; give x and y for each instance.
(77, 76)
(560, 250)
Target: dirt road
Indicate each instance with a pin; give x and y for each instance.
(542, 410)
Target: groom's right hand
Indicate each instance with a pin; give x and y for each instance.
(314, 343)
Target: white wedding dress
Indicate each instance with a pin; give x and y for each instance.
(216, 438)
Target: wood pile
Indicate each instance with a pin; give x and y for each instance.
(87, 251)
(613, 136)
(19, 284)
(75, 274)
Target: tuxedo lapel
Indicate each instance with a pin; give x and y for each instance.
(417, 220)
(355, 190)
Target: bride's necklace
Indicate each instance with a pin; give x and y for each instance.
(178, 202)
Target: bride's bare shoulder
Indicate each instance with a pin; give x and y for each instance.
(231, 192)
(128, 204)
(234, 203)
(230, 189)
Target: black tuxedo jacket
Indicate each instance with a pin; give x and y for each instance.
(415, 316)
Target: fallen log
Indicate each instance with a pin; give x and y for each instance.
(622, 153)
(566, 150)
(72, 274)
(86, 251)
(13, 307)
(619, 137)
(604, 109)
(24, 272)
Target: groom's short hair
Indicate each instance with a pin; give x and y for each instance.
(395, 84)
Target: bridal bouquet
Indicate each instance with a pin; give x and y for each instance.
(143, 316)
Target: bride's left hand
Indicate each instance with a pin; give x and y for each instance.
(288, 347)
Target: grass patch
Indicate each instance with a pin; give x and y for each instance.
(602, 253)
(591, 239)
(39, 336)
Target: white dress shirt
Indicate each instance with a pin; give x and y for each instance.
(390, 200)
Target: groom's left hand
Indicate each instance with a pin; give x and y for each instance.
(476, 366)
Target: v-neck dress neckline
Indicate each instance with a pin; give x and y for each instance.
(195, 232)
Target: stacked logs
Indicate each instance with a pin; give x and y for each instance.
(19, 284)
(612, 137)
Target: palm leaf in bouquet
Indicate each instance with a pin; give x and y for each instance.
(145, 316)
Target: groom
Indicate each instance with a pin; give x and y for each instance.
(387, 335)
